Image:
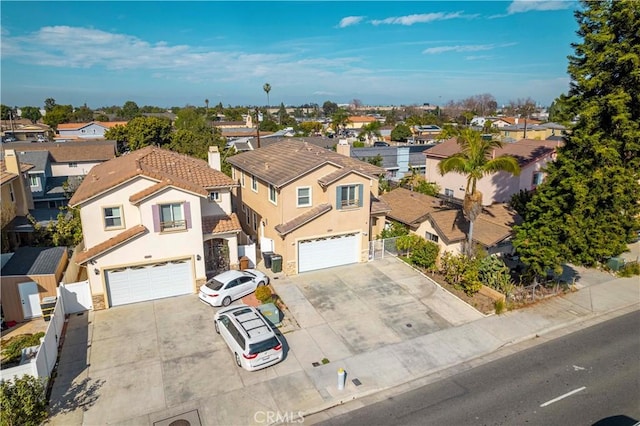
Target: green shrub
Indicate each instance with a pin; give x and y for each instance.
(500, 306)
(629, 269)
(358, 144)
(396, 229)
(264, 294)
(495, 274)
(425, 255)
(462, 272)
(408, 243)
(23, 401)
(12, 351)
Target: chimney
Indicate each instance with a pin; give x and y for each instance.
(515, 121)
(11, 161)
(343, 148)
(214, 158)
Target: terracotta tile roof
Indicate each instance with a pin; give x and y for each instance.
(295, 223)
(285, 161)
(66, 152)
(159, 164)
(494, 224)
(75, 126)
(361, 119)
(408, 207)
(111, 243)
(221, 224)
(524, 150)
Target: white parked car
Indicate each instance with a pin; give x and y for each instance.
(228, 286)
(252, 341)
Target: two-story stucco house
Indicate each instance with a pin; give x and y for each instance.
(314, 207)
(155, 224)
(532, 156)
(16, 199)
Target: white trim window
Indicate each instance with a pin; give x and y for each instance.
(242, 179)
(431, 237)
(112, 217)
(303, 198)
(273, 194)
(33, 180)
(172, 217)
(214, 196)
(254, 184)
(448, 192)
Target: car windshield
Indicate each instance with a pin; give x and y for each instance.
(214, 284)
(265, 345)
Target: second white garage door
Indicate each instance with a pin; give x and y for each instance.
(328, 252)
(148, 282)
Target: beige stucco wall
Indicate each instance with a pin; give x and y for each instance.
(455, 248)
(334, 222)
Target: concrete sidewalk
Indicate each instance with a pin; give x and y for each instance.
(169, 387)
(397, 364)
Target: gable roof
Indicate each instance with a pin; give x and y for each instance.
(39, 159)
(78, 126)
(65, 152)
(111, 243)
(7, 176)
(408, 207)
(221, 224)
(524, 150)
(494, 224)
(164, 166)
(285, 161)
(306, 217)
(34, 261)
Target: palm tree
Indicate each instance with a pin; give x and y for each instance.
(475, 160)
(267, 89)
(206, 102)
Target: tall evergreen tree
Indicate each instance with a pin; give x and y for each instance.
(588, 206)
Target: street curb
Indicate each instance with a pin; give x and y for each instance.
(587, 321)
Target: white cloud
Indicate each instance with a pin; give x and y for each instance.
(478, 57)
(464, 48)
(350, 20)
(520, 6)
(417, 18)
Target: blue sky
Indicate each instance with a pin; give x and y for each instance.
(382, 53)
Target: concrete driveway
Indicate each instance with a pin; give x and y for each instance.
(160, 361)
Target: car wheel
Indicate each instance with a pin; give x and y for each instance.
(215, 325)
(261, 283)
(226, 301)
(238, 361)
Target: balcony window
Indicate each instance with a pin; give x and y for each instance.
(171, 217)
(349, 196)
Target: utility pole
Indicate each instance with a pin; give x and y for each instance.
(258, 126)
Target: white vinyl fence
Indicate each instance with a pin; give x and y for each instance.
(75, 297)
(47, 354)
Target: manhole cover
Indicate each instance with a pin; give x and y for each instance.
(190, 418)
(180, 422)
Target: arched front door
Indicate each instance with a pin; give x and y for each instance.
(216, 256)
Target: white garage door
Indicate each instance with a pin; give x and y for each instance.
(328, 252)
(148, 282)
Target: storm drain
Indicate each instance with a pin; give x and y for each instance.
(190, 418)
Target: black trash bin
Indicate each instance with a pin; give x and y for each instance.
(276, 263)
(266, 257)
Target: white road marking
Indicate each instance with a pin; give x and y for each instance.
(577, 368)
(563, 396)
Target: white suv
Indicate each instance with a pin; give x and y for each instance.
(252, 341)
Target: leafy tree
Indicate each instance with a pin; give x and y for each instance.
(560, 110)
(83, 114)
(401, 132)
(409, 242)
(193, 136)
(23, 401)
(376, 161)
(129, 110)
(57, 115)
(267, 89)
(370, 130)
(588, 205)
(140, 132)
(102, 117)
(119, 134)
(339, 119)
(475, 161)
(31, 113)
(391, 117)
(65, 231)
(519, 201)
(395, 229)
(5, 112)
(329, 108)
(309, 127)
(49, 103)
(417, 182)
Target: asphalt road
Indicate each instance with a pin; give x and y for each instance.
(585, 378)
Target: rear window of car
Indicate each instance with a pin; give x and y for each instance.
(265, 345)
(214, 285)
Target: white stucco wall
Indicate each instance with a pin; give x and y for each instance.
(63, 169)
